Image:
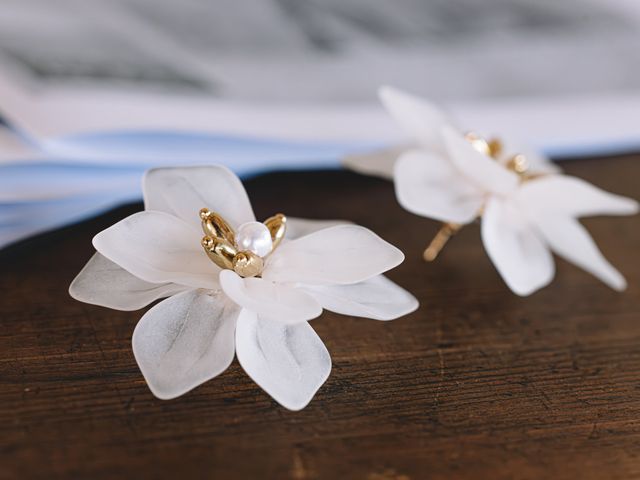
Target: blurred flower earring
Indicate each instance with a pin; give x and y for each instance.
(527, 208)
(246, 288)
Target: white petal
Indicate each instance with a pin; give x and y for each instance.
(299, 227)
(184, 191)
(279, 302)
(419, 118)
(342, 254)
(185, 341)
(478, 168)
(538, 163)
(378, 163)
(289, 362)
(378, 298)
(569, 239)
(572, 196)
(158, 248)
(515, 248)
(428, 185)
(102, 282)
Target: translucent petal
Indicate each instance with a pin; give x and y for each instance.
(569, 239)
(538, 163)
(419, 118)
(184, 191)
(428, 185)
(573, 197)
(102, 282)
(516, 249)
(378, 298)
(478, 168)
(342, 254)
(299, 227)
(279, 302)
(289, 362)
(158, 248)
(184, 341)
(379, 163)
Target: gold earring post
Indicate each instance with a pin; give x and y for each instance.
(447, 231)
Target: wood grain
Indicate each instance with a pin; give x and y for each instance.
(478, 383)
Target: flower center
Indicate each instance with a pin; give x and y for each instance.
(245, 250)
(492, 148)
(517, 163)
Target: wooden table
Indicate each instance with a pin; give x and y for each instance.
(478, 383)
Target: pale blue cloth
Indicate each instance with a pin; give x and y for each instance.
(84, 176)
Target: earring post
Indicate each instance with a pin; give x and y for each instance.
(447, 231)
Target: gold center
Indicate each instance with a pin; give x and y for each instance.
(221, 248)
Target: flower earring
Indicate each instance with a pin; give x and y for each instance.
(246, 288)
(527, 208)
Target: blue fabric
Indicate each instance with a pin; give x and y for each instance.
(85, 175)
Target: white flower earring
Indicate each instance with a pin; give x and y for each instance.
(528, 209)
(245, 288)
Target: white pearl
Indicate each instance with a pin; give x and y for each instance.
(255, 237)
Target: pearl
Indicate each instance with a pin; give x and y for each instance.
(254, 237)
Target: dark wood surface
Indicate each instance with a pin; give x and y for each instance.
(478, 383)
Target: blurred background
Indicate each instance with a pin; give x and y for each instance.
(94, 92)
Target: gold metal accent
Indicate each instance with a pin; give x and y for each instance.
(519, 164)
(478, 143)
(215, 226)
(219, 251)
(277, 226)
(495, 147)
(447, 231)
(219, 243)
(247, 264)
